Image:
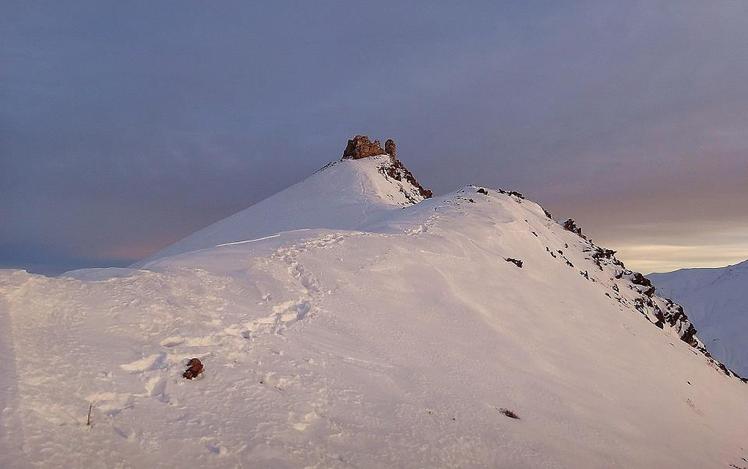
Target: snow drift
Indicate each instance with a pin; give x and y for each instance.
(341, 324)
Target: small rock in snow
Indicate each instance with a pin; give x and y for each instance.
(509, 413)
(194, 368)
(516, 262)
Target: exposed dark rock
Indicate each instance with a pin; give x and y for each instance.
(602, 253)
(361, 147)
(676, 317)
(571, 225)
(508, 413)
(547, 214)
(605, 256)
(650, 306)
(516, 262)
(482, 191)
(660, 317)
(639, 279)
(640, 306)
(194, 368)
(396, 170)
(391, 149)
(516, 194)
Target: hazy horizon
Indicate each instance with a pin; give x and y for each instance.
(127, 126)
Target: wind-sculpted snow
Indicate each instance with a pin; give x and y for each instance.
(407, 341)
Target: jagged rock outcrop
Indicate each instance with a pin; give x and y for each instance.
(396, 170)
(514, 261)
(571, 225)
(662, 312)
(658, 310)
(361, 147)
(391, 149)
(717, 300)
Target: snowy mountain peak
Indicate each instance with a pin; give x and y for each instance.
(347, 195)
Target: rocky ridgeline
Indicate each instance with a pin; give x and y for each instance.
(629, 288)
(659, 311)
(361, 146)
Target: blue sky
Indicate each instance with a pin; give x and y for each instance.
(125, 126)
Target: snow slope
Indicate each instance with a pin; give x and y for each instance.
(717, 302)
(364, 332)
(344, 195)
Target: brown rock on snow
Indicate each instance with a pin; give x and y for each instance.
(396, 170)
(361, 147)
(194, 368)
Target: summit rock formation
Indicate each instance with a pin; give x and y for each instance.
(361, 147)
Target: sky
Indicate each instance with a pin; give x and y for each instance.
(125, 126)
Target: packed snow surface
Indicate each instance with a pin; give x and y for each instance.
(717, 302)
(341, 327)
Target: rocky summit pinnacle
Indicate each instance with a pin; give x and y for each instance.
(361, 147)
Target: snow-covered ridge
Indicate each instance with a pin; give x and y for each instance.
(354, 194)
(717, 302)
(660, 311)
(346, 195)
(363, 330)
